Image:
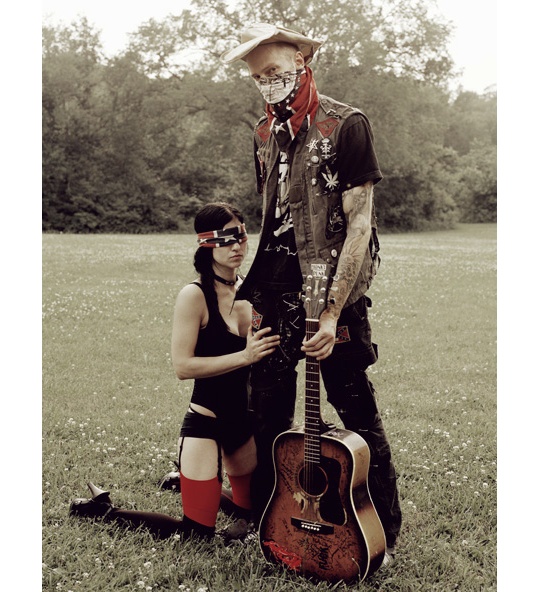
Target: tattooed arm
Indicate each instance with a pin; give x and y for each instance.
(357, 204)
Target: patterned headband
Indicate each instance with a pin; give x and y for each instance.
(222, 238)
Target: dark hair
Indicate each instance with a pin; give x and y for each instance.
(212, 216)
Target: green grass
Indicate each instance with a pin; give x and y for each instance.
(112, 409)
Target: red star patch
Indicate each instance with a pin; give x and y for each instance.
(327, 126)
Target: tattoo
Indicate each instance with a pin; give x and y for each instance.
(357, 204)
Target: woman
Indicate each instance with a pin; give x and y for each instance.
(212, 342)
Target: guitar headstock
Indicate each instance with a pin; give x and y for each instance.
(315, 289)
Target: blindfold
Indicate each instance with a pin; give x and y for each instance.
(222, 238)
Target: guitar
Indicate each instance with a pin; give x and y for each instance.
(320, 520)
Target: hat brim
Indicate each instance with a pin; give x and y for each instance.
(273, 34)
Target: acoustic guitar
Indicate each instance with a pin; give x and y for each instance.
(320, 521)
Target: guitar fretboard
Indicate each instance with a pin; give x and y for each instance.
(312, 439)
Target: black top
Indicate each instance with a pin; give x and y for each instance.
(226, 393)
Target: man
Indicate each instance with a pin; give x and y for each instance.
(316, 168)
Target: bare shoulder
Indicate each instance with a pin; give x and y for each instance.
(191, 292)
(191, 301)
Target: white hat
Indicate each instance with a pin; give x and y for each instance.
(264, 33)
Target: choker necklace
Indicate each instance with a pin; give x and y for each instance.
(224, 281)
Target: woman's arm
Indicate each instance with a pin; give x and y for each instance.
(190, 314)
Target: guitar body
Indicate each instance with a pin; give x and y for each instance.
(320, 520)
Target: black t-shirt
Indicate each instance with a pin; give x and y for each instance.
(356, 163)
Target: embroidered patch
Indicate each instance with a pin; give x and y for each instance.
(335, 222)
(326, 149)
(327, 126)
(331, 181)
(256, 319)
(342, 334)
(313, 144)
(263, 132)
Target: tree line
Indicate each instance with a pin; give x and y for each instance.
(139, 141)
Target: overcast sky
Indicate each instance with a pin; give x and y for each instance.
(473, 46)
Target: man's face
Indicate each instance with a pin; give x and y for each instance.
(271, 59)
(273, 68)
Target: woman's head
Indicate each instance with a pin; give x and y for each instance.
(213, 216)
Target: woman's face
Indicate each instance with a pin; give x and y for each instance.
(232, 256)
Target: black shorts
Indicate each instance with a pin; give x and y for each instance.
(230, 433)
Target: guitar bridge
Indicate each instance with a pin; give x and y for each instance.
(313, 527)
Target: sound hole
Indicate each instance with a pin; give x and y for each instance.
(313, 480)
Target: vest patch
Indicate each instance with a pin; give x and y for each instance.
(327, 126)
(263, 132)
(342, 334)
(336, 221)
(256, 319)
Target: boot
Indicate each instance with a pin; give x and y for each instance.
(98, 507)
(240, 532)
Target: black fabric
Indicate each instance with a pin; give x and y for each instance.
(356, 159)
(225, 395)
(354, 338)
(280, 267)
(230, 431)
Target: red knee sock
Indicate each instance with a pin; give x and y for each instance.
(201, 499)
(240, 486)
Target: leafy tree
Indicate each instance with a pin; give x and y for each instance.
(72, 133)
(477, 178)
(139, 142)
(472, 117)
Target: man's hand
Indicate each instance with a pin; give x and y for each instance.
(320, 346)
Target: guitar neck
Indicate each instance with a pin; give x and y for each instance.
(313, 422)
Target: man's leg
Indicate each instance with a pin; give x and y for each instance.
(273, 386)
(354, 401)
(353, 396)
(272, 407)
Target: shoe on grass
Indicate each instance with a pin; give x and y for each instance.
(97, 507)
(389, 557)
(170, 481)
(241, 532)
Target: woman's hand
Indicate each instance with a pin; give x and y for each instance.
(258, 345)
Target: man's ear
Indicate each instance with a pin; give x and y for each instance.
(299, 60)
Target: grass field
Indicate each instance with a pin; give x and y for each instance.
(112, 409)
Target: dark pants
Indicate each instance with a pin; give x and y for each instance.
(273, 397)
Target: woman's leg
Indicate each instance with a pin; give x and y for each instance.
(100, 507)
(239, 467)
(200, 484)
